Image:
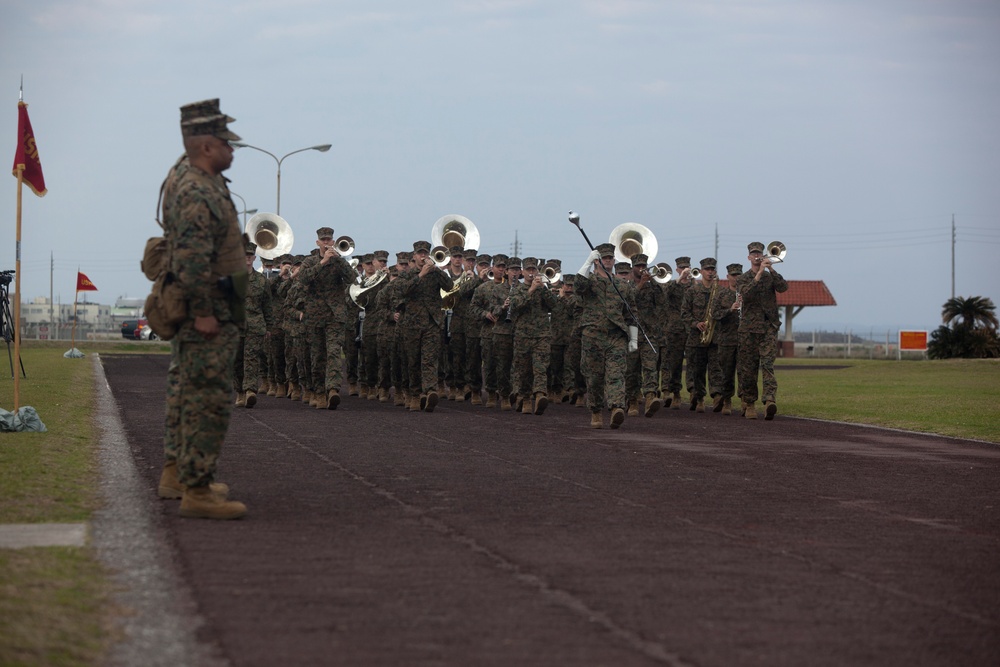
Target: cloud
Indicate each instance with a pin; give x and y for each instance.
(329, 27)
(103, 16)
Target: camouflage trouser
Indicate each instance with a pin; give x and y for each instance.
(727, 366)
(369, 356)
(328, 358)
(489, 364)
(171, 437)
(474, 362)
(650, 362)
(455, 353)
(555, 380)
(316, 351)
(246, 366)
(203, 399)
(703, 362)
(757, 352)
(503, 357)
(294, 354)
(531, 364)
(603, 353)
(277, 370)
(633, 374)
(573, 379)
(401, 372)
(423, 350)
(676, 342)
(384, 343)
(351, 350)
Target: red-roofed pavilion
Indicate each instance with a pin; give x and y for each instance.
(801, 293)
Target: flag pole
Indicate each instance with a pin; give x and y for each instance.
(17, 288)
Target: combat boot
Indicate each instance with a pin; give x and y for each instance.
(199, 502)
(727, 407)
(541, 402)
(373, 393)
(653, 404)
(617, 417)
(399, 399)
(171, 488)
(770, 409)
(667, 400)
(241, 399)
(363, 393)
(633, 408)
(421, 402)
(477, 398)
(700, 407)
(432, 401)
(451, 393)
(564, 398)
(383, 395)
(332, 399)
(467, 393)
(517, 401)
(491, 400)
(505, 404)
(595, 420)
(749, 410)
(352, 389)
(717, 403)
(250, 398)
(295, 393)
(279, 390)
(675, 402)
(272, 389)
(693, 405)
(414, 404)
(524, 406)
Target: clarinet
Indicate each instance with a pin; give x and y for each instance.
(510, 308)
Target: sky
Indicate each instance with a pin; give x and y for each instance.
(854, 132)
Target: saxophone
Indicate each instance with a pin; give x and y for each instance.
(709, 332)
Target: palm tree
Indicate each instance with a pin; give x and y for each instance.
(970, 313)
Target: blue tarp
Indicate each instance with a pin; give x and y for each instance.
(25, 419)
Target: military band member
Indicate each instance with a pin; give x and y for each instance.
(650, 299)
(574, 384)
(374, 313)
(702, 352)
(605, 338)
(253, 337)
(296, 357)
(453, 347)
(503, 335)
(530, 305)
(473, 330)
(758, 335)
(633, 366)
(677, 333)
(395, 305)
(486, 308)
(727, 316)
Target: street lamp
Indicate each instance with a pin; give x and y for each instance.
(322, 148)
(245, 211)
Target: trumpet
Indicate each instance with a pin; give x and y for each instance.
(440, 256)
(661, 273)
(344, 246)
(776, 252)
(550, 273)
(695, 273)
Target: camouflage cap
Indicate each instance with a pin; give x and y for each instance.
(424, 246)
(513, 262)
(623, 267)
(298, 259)
(682, 263)
(205, 118)
(404, 256)
(470, 254)
(368, 258)
(484, 259)
(381, 255)
(324, 233)
(734, 269)
(286, 259)
(393, 271)
(568, 279)
(250, 248)
(708, 263)
(456, 251)
(529, 263)
(500, 260)
(555, 262)
(640, 260)
(606, 249)
(756, 246)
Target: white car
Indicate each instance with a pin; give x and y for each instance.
(145, 333)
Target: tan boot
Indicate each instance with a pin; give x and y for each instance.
(477, 398)
(241, 399)
(422, 402)
(633, 408)
(749, 410)
(770, 409)
(617, 417)
(332, 399)
(451, 393)
(201, 503)
(294, 392)
(467, 393)
(653, 404)
(727, 407)
(414, 404)
(250, 398)
(352, 389)
(271, 389)
(399, 399)
(432, 401)
(699, 405)
(279, 390)
(505, 404)
(171, 488)
(717, 403)
(307, 396)
(383, 395)
(517, 401)
(667, 400)
(524, 406)
(373, 394)
(595, 420)
(541, 402)
(675, 402)
(363, 393)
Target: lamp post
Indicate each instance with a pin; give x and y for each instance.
(322, 148)
(245, 211)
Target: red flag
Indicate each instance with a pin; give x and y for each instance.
(83, 283)
(27, 153)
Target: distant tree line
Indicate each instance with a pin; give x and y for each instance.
(969, 330)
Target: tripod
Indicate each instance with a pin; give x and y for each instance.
(7, 331)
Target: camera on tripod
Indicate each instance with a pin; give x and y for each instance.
(5, 277)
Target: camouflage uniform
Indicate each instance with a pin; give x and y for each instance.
(397, 306)
(473, 336)
(278, 364)
(388, 363)
(453, 338)
(503, 340)
(604, 337)
(676, 336)
(297, 366)
(651, 299)
(758, 333)
(562, 328)
(487, 298)
(422, 323)
(532, 335)
(702, 358)
(259, 317)
(206, 248)
(375, 310)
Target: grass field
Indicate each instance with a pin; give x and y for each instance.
(54, 602)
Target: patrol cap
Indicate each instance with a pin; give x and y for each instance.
(368, 258)
(250, 248)
(205, 118)
(708, 263)
(514, 263)
(286, 259)
(297, 260)
(568, 279)
(404, 257)
(456, 251)
(324, 233)
(382, 255)
(756, 246)
(606, 249)
(470, 255)
(393, 271)
(623, 267)
(734, 269)
(682, 263)
(484, 259)
(640, 260)
(500, 260)
(529, 263)
(424, 246)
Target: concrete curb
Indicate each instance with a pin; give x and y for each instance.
(160, 620)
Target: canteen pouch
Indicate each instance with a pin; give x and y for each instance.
(155, 258)
(235, 288)
(165, 308)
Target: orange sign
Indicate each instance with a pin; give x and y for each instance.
(915, 341)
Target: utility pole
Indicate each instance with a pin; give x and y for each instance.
(952, 255)
(716, 255)
(517, 246)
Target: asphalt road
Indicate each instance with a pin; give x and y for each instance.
(478, 537)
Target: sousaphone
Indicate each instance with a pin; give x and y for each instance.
(631, 238)
(455, 230)
(272, 234)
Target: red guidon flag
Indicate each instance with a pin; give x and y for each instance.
(83, 283)
(27, 153)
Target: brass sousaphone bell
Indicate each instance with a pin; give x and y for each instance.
(272, 234)
(455, 230)
(631, 238)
